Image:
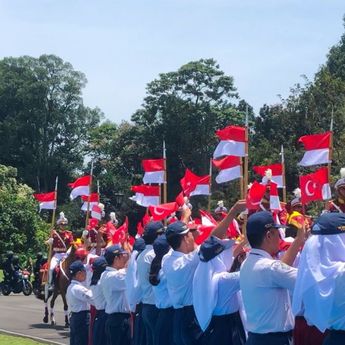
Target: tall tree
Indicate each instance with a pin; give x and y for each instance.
(43, 118)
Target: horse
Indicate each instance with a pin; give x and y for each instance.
(60, 287)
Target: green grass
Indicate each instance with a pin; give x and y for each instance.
(1, 276)
(9, 340)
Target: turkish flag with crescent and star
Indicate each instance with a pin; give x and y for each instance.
(162, 211)
(315, 186)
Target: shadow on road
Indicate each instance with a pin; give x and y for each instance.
(61, 330)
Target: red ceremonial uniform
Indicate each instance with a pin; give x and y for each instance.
(62, 240)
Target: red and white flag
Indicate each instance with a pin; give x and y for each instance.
(120, 234)
(154, 171)
(94, 200)
(274, 197)
(46, 201)
(232, 142)
(207, 219)
(80, 186)
(277, 173)
(230, 168)
(163, 211)
(315, 186)
(317, 148)
(146, 195)
(180, 199)
(96, 212)
(195, 185)
(255, 195)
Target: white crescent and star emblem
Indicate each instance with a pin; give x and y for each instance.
(307, 190)
(157, 213)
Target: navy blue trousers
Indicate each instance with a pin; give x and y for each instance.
(149, 317)
(278, 338)
(98, 336)
(335, 338)
(79, 328)
(139, 336)
(164, 327)
(117, 329)
(186, 328)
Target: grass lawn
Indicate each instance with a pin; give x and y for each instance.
(9, 340)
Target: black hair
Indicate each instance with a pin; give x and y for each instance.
(97, 275)
(175, 241)
(156, 265)
(291, 231)
(255, 240)
(149, 239)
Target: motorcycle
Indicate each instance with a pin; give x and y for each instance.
(21, 283)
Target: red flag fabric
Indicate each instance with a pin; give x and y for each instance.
(96, 212)
(94, 197)
(120, 233)
(230, 168)
(277, 173)
(195, 185)
(233, 230)
(140, 229)
(207, 218)
(274, 197)
(163, 211)
(146, 195)
(204, 233)
(315, 186)
(45, 197)
(153, 165)
(180, 199)
(255, 195)
(235, 133)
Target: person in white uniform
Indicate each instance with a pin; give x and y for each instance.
(320, 285)
(117, 326)
(265, 283)
(78, 299)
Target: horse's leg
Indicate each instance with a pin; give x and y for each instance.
(52, 302)
(46, 314)
(65, 308)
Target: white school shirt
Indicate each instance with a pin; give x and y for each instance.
(98, 299)
(228, 286)
(161, 293)
(114, 290)
(78, 297)
(179, 270)
(265, 284)
(144, 261)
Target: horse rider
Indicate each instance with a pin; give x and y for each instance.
(60, 241)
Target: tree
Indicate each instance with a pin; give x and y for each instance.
(43, 118)
(21, 228)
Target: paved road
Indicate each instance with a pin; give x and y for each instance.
(24, 315)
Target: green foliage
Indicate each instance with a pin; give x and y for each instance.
(21, 228)
(43, 119)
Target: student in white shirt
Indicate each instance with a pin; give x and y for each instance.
(144, 260)
(117, 326)
(265, 282)
(78, 299)
(98, 330)
(320, 285)
(164, 324)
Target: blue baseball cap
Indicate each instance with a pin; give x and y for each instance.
(139, 244)
(99, 263)
(113, 251)
(75, 267)
(260, 222)
(176, 228)
(212, 247)
(153, 228)
(161, 246)
(329, 224)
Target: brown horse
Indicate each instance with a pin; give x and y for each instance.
(60, 287)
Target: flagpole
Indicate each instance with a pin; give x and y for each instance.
(283, 171)
(165, 183)
(89, 197)
(330, 148)
(209, 196)
(50, 250)
(241, 180)
(245, 177)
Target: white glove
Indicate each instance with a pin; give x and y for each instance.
(85, 233)
(50, 241)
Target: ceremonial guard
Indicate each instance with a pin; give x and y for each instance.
(338, 204)
(60, 241)
(78, 299)
(113, 286)
(93, 238)
(144, 260)
(111, 226)
(220, 207)
(266, 282)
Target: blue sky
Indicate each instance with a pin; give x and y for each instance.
(266, 45)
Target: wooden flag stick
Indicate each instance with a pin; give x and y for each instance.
(241, 181)
(89, 197)
(209, 196)
(283, 171)
(165, 183)
(330, 148)
(245, 177)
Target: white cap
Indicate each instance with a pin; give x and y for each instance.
(341, 181)
(62, 219)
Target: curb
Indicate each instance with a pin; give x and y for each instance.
(21, 335)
